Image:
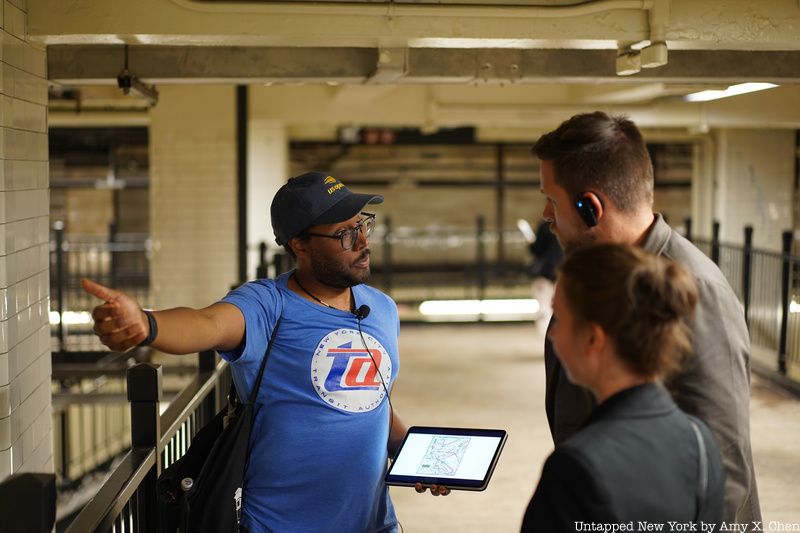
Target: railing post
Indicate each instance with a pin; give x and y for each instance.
(261, 269)
(144, 395)
(687, 223)
(387, 256)
(112, 256)
(58, 229)
(715, 243)
(28, 503)
(64, 420)
(481, 257)
(747, 260)
(785, 299)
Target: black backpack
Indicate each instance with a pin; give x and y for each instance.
(202, 491)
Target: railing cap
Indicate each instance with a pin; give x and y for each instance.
(144, 383)
(28, 502)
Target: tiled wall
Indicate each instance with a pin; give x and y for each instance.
(25, 426)
(193, 195)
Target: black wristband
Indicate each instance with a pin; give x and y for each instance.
(153, 326)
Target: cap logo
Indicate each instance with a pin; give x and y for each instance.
(332, 189)
(329, 180)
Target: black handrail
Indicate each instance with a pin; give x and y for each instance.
(103, 511)
(128, 496)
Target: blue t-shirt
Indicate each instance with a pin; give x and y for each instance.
(318, 448)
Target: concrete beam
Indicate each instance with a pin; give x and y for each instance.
(164, 64)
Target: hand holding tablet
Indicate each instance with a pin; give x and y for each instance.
(456, 458)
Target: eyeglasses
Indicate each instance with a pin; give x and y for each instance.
(349, 237)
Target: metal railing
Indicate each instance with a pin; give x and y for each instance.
(127, 501)
(117, 260)
(768, 285)
(28, 503)
(89, 415)
(415, 264)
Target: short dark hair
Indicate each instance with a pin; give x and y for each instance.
(642, 301)
(596, 152)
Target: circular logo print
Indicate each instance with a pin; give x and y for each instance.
(346, 376)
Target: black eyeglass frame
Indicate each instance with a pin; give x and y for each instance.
(354, 231)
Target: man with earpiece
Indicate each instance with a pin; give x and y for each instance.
(597, 179)
(324, 422)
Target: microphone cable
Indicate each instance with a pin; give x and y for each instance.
(362, 313)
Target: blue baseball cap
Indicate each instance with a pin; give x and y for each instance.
(314, 198)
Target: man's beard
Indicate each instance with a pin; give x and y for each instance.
(333, 274)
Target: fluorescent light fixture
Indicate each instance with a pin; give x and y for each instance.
(733, 90)
(479, 307)
(794, 307)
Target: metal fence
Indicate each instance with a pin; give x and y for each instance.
(117, 260)
(90, 414)
(768, 285)
(127, 501)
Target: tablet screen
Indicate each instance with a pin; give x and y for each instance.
(458, 458)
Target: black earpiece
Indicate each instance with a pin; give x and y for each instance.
(587, 211)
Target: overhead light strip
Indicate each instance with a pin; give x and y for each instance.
(733, 90)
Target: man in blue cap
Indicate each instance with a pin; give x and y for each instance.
(324, 423)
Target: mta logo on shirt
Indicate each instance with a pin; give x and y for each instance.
(346, 375)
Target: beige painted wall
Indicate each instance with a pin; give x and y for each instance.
(193, 195)
(755, 184)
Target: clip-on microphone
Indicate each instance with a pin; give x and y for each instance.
(362, 312)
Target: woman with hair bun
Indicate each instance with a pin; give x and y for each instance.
(619, 326)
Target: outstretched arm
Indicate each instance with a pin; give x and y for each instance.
(121, 324)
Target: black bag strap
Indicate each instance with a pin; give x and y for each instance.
(702, 477)
(272, 338)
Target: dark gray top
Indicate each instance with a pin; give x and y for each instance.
(636, 459)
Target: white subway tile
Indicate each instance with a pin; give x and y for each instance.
(36, 64)
(12, 334)
(4, 342)
(13, 50)
(14, 20)
(22, 4)
(3, 305)
(36, 116)
(26, 414)
(6, 463)
(36, 458)
(5, 378)
(5, 432)
(5, 400)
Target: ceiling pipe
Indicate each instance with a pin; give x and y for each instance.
(630, 60)
(421, 10)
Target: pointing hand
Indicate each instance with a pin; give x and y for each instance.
(119, 322)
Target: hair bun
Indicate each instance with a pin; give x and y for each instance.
(659, 291)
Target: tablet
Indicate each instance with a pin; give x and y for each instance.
(457, 458)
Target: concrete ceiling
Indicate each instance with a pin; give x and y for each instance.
(582, 46)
